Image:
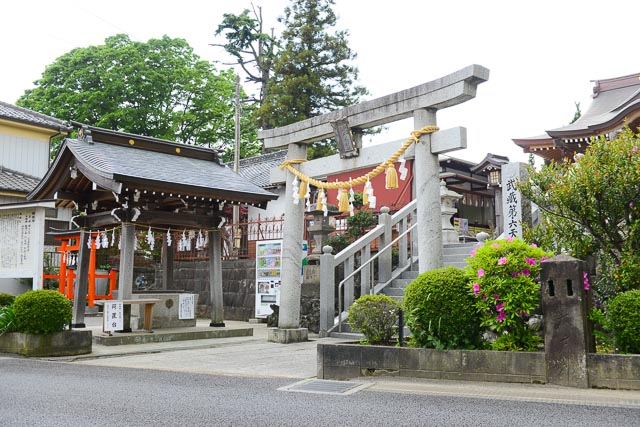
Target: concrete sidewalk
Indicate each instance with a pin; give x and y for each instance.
(254, 356)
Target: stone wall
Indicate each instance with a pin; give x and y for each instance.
(344, 361)
(347, 361)
(238, 286)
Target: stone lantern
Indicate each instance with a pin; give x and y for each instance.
(448, 199)
(319, 231)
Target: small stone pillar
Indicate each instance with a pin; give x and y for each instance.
(567, 332)
(447, 210)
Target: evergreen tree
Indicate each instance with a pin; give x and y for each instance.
(313, 72)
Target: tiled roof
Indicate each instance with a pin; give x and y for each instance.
(15, 181)
(124, 163)
(24, 115)
(609, 105)
(257, 169)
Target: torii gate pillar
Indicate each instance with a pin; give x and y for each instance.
(427, 181)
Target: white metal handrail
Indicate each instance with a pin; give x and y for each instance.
(340, 285)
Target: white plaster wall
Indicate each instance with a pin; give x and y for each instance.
(24, 155)
(275, 208)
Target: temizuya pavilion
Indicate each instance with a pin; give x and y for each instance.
(120, 179)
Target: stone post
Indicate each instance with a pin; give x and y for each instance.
(427, 179)
(290, 288)
(516, 209)
(327, 290)
(384, 260)
(81, 282)
(215, 279)
(567, 332)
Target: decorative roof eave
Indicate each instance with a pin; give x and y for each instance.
(59, 181)
(149, 143)
(490, 162)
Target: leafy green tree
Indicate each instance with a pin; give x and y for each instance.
(159, 88)
(591, 206)
(313, 73)
(252, 49)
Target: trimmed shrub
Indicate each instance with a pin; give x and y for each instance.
(623, 313)
(42, 312)
(439, 311)
(6, 299)
(374, 316)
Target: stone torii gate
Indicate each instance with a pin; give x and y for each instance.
(422, 103)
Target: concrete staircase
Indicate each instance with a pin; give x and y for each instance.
(455, 255)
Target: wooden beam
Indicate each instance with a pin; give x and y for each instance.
(444, 92)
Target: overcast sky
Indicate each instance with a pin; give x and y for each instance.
(542, 55)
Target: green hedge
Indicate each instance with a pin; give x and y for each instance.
(42, 312)
(623, 313)
(440, 312)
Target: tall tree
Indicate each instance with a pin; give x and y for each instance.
(313, 72)
(159, 88)
(251, 47)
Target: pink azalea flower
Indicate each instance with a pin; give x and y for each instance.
(526, 272)
(496, 297)
(484, 297)
(544, 258)
(586, 281)
(500, 307)
(481, 272)
(501, 316)
(523, 314)
(510, 239)
(502, 261)
(514, 274)
(533, 245)
(495, 245)
(473, 252)
(635, 148)
(476, 288)
(530, 261)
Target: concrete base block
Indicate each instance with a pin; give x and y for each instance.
(287, 336)
(258, 320)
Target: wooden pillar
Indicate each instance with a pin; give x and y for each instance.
(82, 281)
(127, 253)
(125, 275)
(215, 278)
(167, 264)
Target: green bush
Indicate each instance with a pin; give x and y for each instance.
(42, 312)
(623, 313)
(6, 299)
(439, 311)
(374, 316)
(7, 319)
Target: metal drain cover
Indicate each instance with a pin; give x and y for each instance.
(325, 387)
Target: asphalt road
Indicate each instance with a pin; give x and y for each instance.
(41, 393)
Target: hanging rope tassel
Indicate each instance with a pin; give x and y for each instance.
(343, 204)
(365, 193)
(392, 177)
(320, 201)
(304, 188)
